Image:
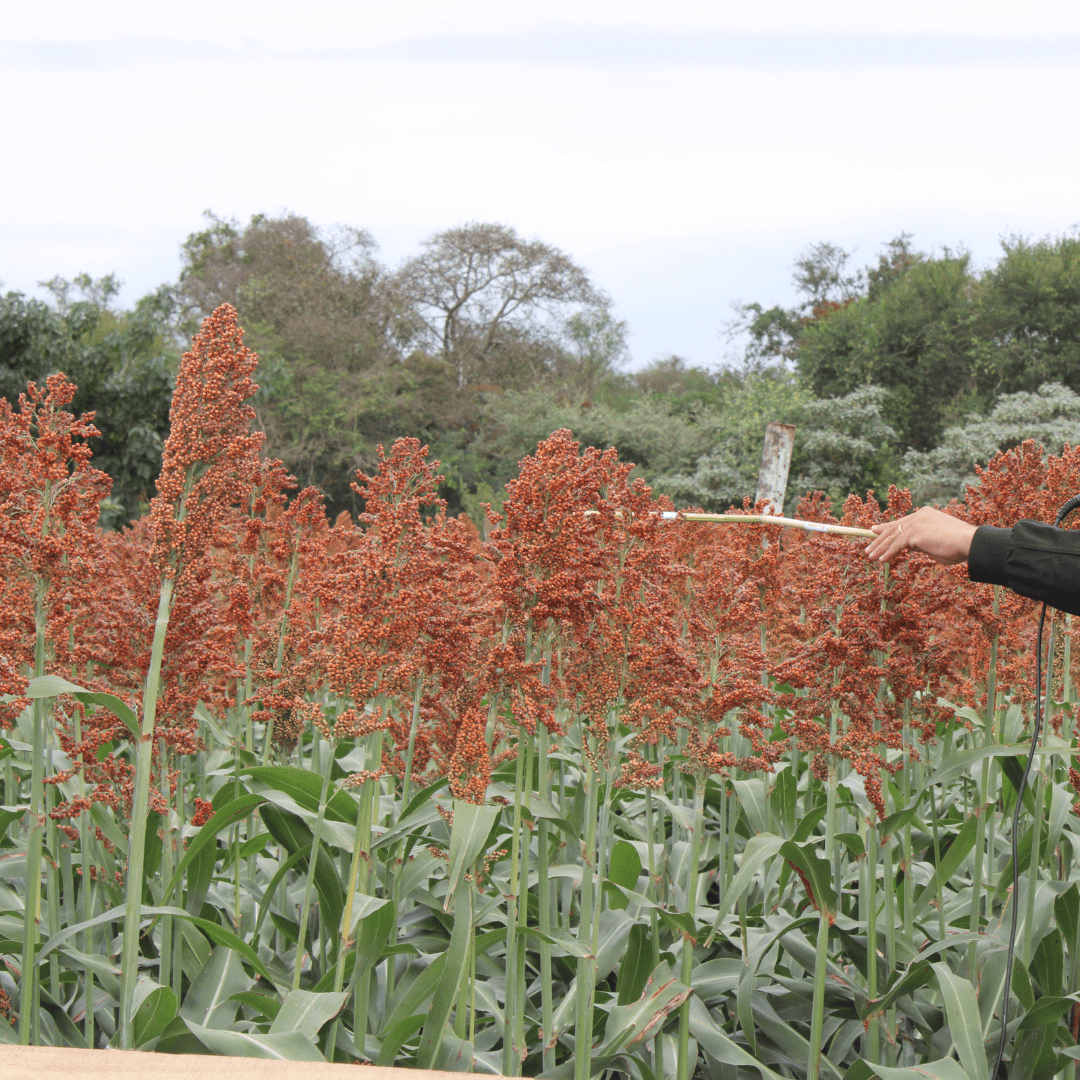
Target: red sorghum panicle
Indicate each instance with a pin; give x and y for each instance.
(402, 615)
(49, 506)
(210, 458)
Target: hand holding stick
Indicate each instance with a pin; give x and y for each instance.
(946, 539)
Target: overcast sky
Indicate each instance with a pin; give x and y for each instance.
(683, 153)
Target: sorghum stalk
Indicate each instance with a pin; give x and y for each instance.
(906, 795)
(360, 854)
(133, 884)
(87, 898)
(817, 1016)
(543, 896)
(522, 892)
(890, 940)
(511, 1058)
(313, 858)
(654, 922)
(586, 965)
(975, 920)
(1039, 794)
(873, 1048)
(30, 993)
(165, 962)
(683, 1064)
(369, 799)
(406, 784)
(937, 863)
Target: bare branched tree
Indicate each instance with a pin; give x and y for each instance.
(481, 287)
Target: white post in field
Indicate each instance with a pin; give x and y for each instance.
(775, 463)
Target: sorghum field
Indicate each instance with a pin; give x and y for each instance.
(602, 794)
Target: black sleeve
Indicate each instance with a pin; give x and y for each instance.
(1033, 559)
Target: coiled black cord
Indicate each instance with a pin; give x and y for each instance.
(1066, 509)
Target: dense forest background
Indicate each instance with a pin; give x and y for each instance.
(909, 371)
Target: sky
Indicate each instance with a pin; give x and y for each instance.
(683, 153)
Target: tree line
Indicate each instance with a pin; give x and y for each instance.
(910, 370)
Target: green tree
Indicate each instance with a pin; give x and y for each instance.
(1050, 416)
(916, 338)
(122, 362)
(596, 350)
(493, 305)
(1029, 316)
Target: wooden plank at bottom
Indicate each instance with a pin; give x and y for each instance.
(62, 1063)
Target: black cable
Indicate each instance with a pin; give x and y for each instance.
(1066, 509)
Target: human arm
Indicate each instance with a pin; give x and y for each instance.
(1033, 559)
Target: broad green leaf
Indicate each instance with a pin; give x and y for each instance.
(815, 872)
(683, 817)
(417, 869)
(290, 1046)
(749, 972)
(784, 798)
(919, 972)
(305, 787)
(1047, 1010)
(951, 862)
(268, 1007)
(366, 906)
(456, 954)
(408, 1002)
(559, 938)
(1033, 1056)
(751, 795)
(207, 1002)
(758, 851)
(255, 845)
(275, 881)
(213, 930)
(454, 1054)
(1067, 912)
(635, 965)
(946, 1069)
(959, 763)
(8, 816)
(154, 1008)
(395, 1038)
(294, 835)
(370, 931)
(411, 825)
(895, 822)
(1048, 964)
(809, 822)
(624, 866)
(47, 686)
(1061, 801)
(716, 1043)
(305, 1012)
(468, 839)
(965, 1026)
(219, 820)
(859, 1070)
(639, 1020)
(424, 796)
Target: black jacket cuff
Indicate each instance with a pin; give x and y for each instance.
(988, 555)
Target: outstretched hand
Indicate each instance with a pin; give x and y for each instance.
(944, 538)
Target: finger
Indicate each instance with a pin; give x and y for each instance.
(890, 544)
